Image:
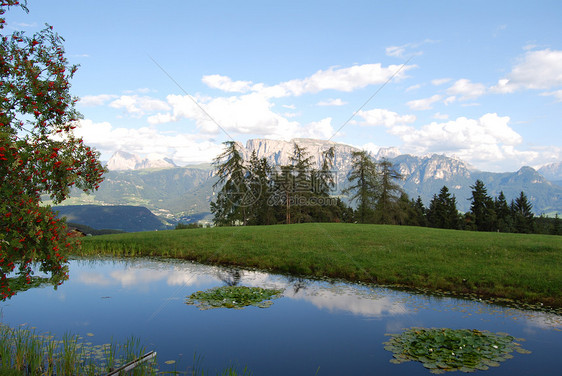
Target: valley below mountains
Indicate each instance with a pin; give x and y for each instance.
(183, 194)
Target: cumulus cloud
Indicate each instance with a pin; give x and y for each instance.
(486, 141)
(226, 84)
(556, 94)
(182, 148)
(440, 116)
(332, 102)
(137, 105)
(96, 100)
(379, 116)
(247, 114)
(540, 69)
(425, 103)
(466, 90)
(408, 49)
(413, 87)
(333, 78)
(321, 129)
(440, 81)
(342, 79)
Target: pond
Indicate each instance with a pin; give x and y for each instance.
(315, 328)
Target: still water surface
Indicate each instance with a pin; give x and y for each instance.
(316, 328)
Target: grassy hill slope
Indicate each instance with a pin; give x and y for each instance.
(515, 266)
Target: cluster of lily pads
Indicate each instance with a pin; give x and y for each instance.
(443, 349)
(236, 297)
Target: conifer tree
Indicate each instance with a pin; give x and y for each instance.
(482, 208)
(442, 212)
(387, 210)
(364, 185)
(523, 217)
(234, 196)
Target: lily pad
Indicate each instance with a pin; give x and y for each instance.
(443, 349)
(236, 297)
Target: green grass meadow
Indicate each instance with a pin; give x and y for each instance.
(526, 268)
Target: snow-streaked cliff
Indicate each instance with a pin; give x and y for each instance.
(122, 160)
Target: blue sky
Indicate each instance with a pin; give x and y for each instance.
(480, 80)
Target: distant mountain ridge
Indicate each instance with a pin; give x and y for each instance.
(553, 172)
(122, 160)
(185, 193)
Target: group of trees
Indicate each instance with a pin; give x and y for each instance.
(39, 154)
(485, 214)
(255, 193)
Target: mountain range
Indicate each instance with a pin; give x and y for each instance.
(183, 193)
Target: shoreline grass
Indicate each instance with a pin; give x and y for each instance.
(23, 352)
(525, 268)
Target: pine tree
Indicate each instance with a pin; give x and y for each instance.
(364, 185)
(260, 212)
(234, 196)
(523, 216)
(442, 212)
(387, 210)
(303, 185)
(503, 214)
(482, 208)
(556, 226)
(417, 214)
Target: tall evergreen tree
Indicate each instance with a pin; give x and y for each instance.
(556, 226)
(364, 185)
(303, 184)
(418, 216)
(258, 178)
(324, 179)
(442, 212)
(234, 196)
(387, 208)
(523, 217)
(503, 214)
(482, 208)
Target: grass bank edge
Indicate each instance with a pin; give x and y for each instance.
(521, 267)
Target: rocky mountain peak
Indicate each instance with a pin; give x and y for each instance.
(552, 171)
(122, 160)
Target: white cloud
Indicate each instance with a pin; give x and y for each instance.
(370, 147)
(321, 129)
(138, 106)
(96, 100)
(485, 141)
(440, 116)
(440, 81)
(556, 94)
(413, 87)
(425, 103)
(342, 79)
(247, 114)
(182, 148)
(537, 70)
(450, 99)
(142, 90)
(379, 116)
(396, 51)
(225, 83)
(408, 49)
(466, 89)
(332, 102)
